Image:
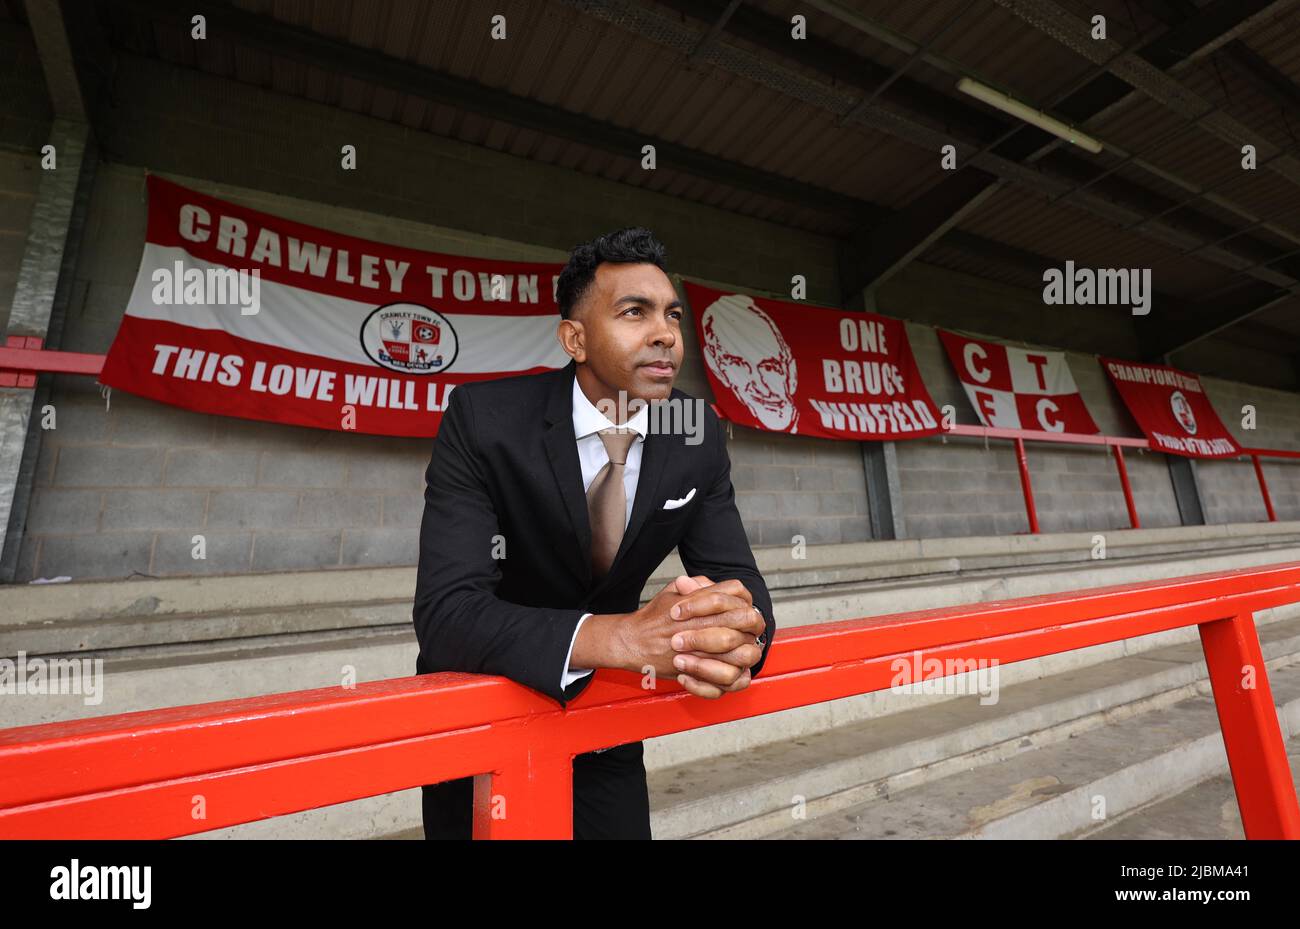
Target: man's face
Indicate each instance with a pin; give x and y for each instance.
(631, 333)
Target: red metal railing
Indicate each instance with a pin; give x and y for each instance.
(141, 775)
(22, 358)
(1116, 444)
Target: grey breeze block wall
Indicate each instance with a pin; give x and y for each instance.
(123, 490)
(1229, 489)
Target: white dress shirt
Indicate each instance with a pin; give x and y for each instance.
(587, 421)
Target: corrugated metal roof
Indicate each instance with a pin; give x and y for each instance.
(567, 60)
(12, 11)
(1283, 317)
(1015, 218)
(581, 64)
(956, 259)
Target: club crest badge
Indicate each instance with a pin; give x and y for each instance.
(409, 338)
(1182, 410)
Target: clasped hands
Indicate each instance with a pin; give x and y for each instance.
(702, 633)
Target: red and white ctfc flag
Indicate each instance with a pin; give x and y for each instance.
(1018, 388)
(333, 331)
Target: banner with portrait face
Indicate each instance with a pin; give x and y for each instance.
(809, 370)
(1171, 407)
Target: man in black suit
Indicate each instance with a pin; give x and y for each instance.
(586, 506)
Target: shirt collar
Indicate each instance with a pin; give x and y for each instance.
(588, 420)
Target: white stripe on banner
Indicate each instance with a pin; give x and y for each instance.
(1046, 374)
(330, 327)
(997, 408)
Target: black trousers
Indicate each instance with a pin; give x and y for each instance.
(610, 799)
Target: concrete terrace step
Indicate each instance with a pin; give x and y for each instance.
(280, 657)
(753, 794)
(1207, 811)
(1059, 788)
(140, 613)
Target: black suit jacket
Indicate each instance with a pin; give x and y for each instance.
(505, 471)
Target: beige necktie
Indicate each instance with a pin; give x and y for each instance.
(607, 501)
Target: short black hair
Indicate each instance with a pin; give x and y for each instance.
(633, 245)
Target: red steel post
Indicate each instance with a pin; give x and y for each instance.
(1128, 488)
(531, 797)
(1026, 486)
(1251, 734)
(1263, 489)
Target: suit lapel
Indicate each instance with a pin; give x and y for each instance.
(562, 451)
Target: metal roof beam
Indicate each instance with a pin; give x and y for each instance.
(905, 237)
(714, 30)
(1118, 202)
(50, 33)
(1021, 259)
(1183, 44)
(1248, 62)
(851, 17)
(1074, 33)
(1202, 321)
(883, 248)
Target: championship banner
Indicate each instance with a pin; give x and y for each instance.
(1017, 388)
(1170, 406)
(807, 370)
(240, 313)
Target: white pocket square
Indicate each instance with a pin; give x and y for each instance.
(674, 504)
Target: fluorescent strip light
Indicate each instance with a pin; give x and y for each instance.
(1014, 107)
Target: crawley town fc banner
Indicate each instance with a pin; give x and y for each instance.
(1018, 388)
(791, 367)
(1170, 406)
(331, 331)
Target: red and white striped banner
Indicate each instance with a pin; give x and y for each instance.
(333, 331)
(1017, 388)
